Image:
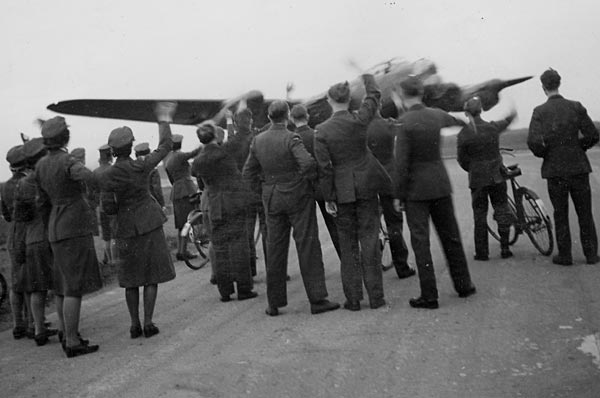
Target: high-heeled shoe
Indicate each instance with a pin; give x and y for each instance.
(42, 338)
(150, 330)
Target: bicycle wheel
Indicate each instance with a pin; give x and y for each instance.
(198, 235)
(3, 289)
(537, 222)
(492, 225)
(384, 246)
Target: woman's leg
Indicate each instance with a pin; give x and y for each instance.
(17, 301)
(71, 313)
(132, 297)
(150, 292)
(60, 312)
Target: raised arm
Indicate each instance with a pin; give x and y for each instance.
(306, 163)
(370, 105)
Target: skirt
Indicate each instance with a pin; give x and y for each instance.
(38, 267)
(181, 209)
(144, 260)
(76, 269)
(16, 252)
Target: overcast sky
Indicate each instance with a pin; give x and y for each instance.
(59, 50)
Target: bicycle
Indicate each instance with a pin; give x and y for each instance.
(529, 215)
(3, 289)
(197, 233)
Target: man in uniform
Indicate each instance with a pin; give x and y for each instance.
(380, 138)
(299, 116)
(143, 149)
(350, 179)
(422, 183)
(554, 135)
(106, 222)
(178, 170)
(278, 157)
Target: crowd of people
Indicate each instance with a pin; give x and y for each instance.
(356, 166)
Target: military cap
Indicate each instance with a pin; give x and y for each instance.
(177, 138)
(15, 155)
(104, 149)
(278, 110)
(473, 106)
(339, 92)
(550, 79)
(299, 112)
(120, 137)
(141, 149)
(79, 154)
(53, 127)
(33, 147)
(412, 86)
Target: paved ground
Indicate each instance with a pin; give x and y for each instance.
(532, 330)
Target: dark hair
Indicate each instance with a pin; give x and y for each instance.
(206, 133)
(550, 80)
(122, 151)
(278, 111)
(58, 141)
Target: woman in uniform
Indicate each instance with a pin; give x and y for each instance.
(144, 258)
(60, 179)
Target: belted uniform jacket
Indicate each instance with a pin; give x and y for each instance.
(177, 167)
(308, 138)
(420, 172)
(554, 136)
(280, 161)
(128, 181)
(347, 169)
(478, 152)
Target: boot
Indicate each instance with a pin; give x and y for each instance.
(504, 250)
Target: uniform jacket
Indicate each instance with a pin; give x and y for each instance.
(420, 173)
(35, 212)
(279, 159)
(239, 144)
(61, 179)
(478, 152)
(347, 169)
(554, 135)
(226, 191)
(381, 134)
(97, 175)
(307, 135)
(16, 226)
(156, 188)
(178, 171)
(128, 181)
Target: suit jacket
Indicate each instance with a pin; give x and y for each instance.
(420, 173)
(554, 136)
(178, 171)
(347, 169)
(62, 179)
(128, 185)
(280, 161)
(478, 152)
(226, 191)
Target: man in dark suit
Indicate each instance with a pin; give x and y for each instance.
(554, 135)
(299, 116)
(380, 138)
(350, 179)
(422, 183)
(178, 170)
(278, 159)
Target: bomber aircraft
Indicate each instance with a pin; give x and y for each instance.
(389, 74)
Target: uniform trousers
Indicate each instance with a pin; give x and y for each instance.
(502, 214)
(393, 223)
(331, 227)
(441, 212)
(358, 229)
(281, 217)
(254, 210)
(578, 186)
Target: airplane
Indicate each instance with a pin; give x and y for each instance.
(389, 74)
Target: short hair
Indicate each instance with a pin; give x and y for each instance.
(299, 112)
(473, 106)
(122, 151)
(550, 79)
(339, 92)
(412, 86)
(278, 111)
(206, 133)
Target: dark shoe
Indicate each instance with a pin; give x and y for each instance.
(30, 333)
(42, 338)
(63, 342)
(377, 303)
(323, 306)
(506, 253)
(387, 267)
(562, 260)
(420, 302)
(213, 280)
(481, 257)
(272, 311)
(406, 272)
(225, 299)
(19, 333)
(246, 295)
(150, 330)
(288, 278)
(592, 260)
(180, 257)
(352, 305)
(135, 331)
(80, 349)
(469, 292)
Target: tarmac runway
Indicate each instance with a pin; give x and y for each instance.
(532, 330)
